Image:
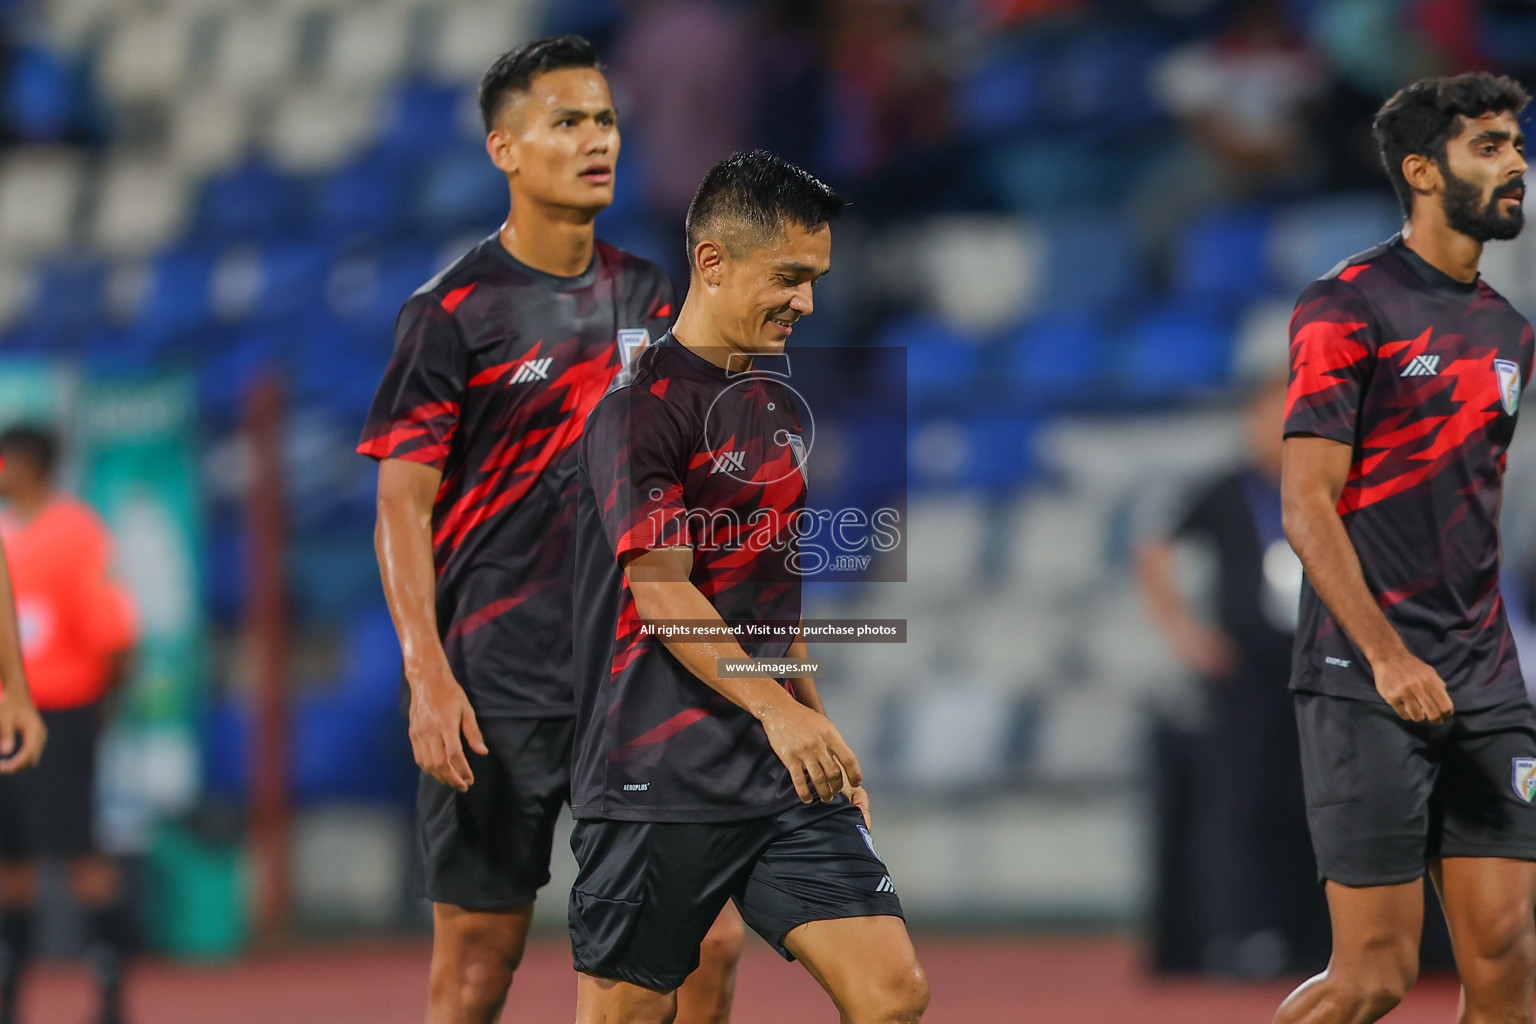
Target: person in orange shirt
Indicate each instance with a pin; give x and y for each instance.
(77, 630)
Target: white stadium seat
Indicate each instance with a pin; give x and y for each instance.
(209, 131)
(318, 129)
(39, 196)
(471, 35)
(367, 45)
(140, 207)
(257, 52)
(146, 55)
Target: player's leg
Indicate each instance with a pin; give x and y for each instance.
(1486, 877)
(646, 894)
(705, 997)
(1375, 957)
(820, 893)
(484, 856)
(867, 965)
(18, 896)
(1368, 777)
(474, 955)
(1489, 905)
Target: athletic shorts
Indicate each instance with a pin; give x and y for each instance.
(647, 892)
(49, 810)
(1386, 796)
(488, 849)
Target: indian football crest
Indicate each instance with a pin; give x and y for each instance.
(1525, 778)
(870, 842)
(797, 445)
(1509, 383)
(631, 341)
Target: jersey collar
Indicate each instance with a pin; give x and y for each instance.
(1436, 278)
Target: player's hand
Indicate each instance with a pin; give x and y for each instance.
(440, 715)
(1415, 691)
(22, 734)
(859, 797)
(819, 762)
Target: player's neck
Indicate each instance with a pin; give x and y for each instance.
(1447, 250)
(28, 502)
(549, 241)
(695, 332)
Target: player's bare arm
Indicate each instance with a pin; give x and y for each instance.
(440, 710)
(22, 733)
(804, 739)
(1312, 480)
(804, 689)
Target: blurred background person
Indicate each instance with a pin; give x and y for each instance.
(77, 630)
(1249, 887)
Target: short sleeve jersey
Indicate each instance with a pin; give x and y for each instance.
(681, 453)
(495, 368)
(72, 616)
(1421, 375)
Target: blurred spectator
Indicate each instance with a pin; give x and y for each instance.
(1242, 100)
(678, 67)
(77, 628)
(888, 121)
(1257, 908)
(789, 38)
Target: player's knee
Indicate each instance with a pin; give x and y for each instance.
(473, 968)
(721, 948)
(1387, 979)
(904, 995)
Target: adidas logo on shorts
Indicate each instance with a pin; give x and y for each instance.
(886, 885)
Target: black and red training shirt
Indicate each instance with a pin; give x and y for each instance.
(495, 369)
(682, 453)
(1421, 374)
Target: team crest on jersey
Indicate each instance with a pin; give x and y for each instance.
(631, 341)
(1525, 778)
(1509, 383)
(797, 445)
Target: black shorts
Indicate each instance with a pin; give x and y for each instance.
(488, 849)
(49, 810)
(647, 892)
(1386, 796)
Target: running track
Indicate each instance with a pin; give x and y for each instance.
(974, 981)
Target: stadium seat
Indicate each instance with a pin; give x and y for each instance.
(367, 196)
(425, 117)
(39, 196)
(318, 129)
(250, 203)
(20, 294)
(257, 52)
(179, 295)
(145, 55)
(460, 189)
(1173, 353)
(68, 296)
(943, 369)
(472, 34)
(1060, 361)
(141, 207)
(979, 273)
(989, 454)
(1096, 81)
(1001, 95)
(1220, 259)
(1046, 175)
(1091, 265)
(40, 94)
(208, 131)
(1088, 734)
(1309, 239)
(367, 45)
(955, 736)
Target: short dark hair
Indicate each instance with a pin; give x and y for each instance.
(515, 70)
(746, 199)
(1421, 118)
(31, 442)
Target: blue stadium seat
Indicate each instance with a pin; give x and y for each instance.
(293, 275)
(1001, 95)
(1095, 82)
(1172, 353)
(423, 117)
(1060, 361)
(40, 94)
(943, 369)
(993, 454)
(70, 297)
(248, 204)
(1308, 239)
(179, 296)
(1043, 176)
(1092, 263)
(367, 196)
(1222, 259)
(371, 654)
(463, 189)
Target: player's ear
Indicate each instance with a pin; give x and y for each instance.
(708, 262)
(1422, 173)
(498, 145)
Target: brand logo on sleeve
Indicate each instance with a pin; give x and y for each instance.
(631, 340)
(729, 462)
(797, 445)
(1422, 366)
(531, 370)
(1508, 373)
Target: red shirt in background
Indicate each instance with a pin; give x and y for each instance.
(73, 617)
